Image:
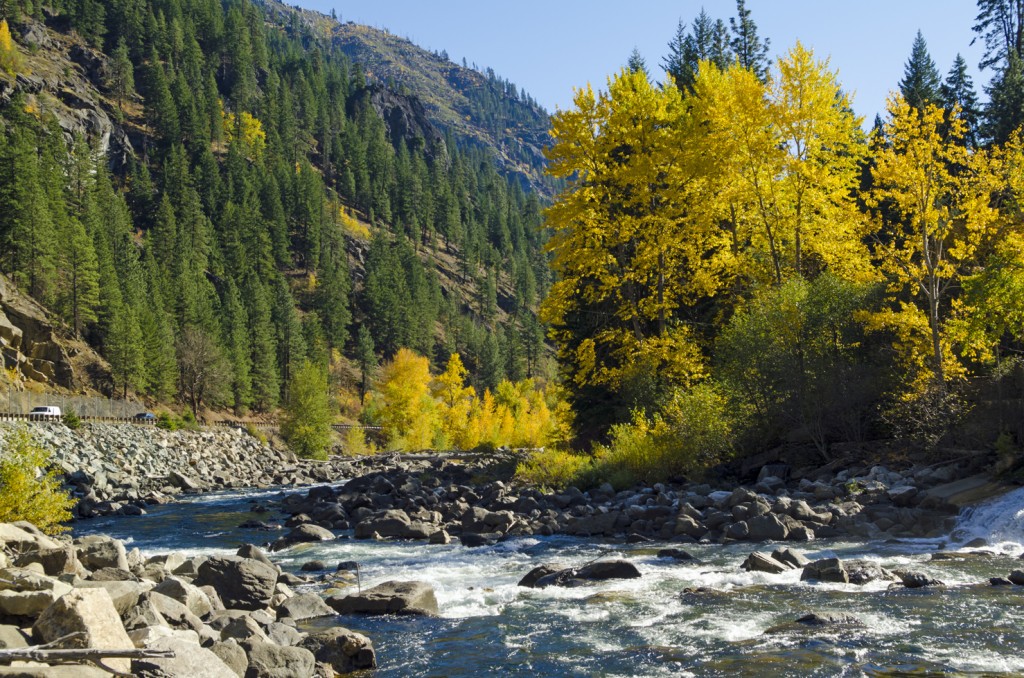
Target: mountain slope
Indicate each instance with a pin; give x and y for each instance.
(479, 107)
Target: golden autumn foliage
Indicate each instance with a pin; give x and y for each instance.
(248, 130)
(742, 235)
(942, 192)
(29, 489)
(419, 411)
(10, 58)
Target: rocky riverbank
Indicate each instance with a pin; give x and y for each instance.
(479, 502)
(121, 468)
(165, 615)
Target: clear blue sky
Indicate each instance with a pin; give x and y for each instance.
(552, 46)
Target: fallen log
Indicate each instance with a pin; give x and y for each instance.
(48, 654)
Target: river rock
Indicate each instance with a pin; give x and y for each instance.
(55, 561)
(766, 528)
(302, 534)
(677, 554)
(1017, 577)
(176, 614)
(533, 576)
(791, 557)
(916, 580)
(190, 660)
(814, 622)
(241, 583)
(99, 551)
(185, 593)
(391, 597)
(764, 562)
(243, 628)
(233, 656)
(267, 660)
(826, 570)
(91, 613)
(304, 606)
(346, 651)
(124, 594)
(253, 552)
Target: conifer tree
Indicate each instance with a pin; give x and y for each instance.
(366, 356)
(78, 285)
(750, 51)
(124, 349)
(958, 93)
(121, 76)
(921, 84)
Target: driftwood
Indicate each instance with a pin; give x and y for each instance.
(48, 654)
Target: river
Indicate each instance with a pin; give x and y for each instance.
(649, 627)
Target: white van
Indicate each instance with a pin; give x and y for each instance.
(45, 412)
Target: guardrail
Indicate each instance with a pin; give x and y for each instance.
(10, 416)
(341, 428)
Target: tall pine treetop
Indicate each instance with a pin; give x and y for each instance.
(921, 84)
(750, 50)
(1000, 23)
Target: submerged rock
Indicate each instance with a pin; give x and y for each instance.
(764, 562)
(817, 623)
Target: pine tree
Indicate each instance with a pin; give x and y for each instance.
(121, 77)
(78, 286)
(124, 350)
(636, 63)
(1005, 111)
(1000, 23)
(366, 356)
(921, 84)
(958, 93)
(750, 50)
(708, 40)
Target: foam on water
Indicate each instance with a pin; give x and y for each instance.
(999, 521)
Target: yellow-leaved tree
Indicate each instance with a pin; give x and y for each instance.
(10, 59)
(29, 488)
(943, 225)
(455, 398)
(408, 412)
(787, 156)
(628, 250)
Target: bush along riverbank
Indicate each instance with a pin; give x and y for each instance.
(166, 615)
(438, 499)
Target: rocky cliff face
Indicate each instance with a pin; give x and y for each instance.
(68, 79)
(28, 342)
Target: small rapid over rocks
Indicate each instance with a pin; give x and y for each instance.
(874, 605)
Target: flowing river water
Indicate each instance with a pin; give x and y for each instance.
(650, 626)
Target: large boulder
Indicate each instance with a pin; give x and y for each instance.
(764, 562)
(531, 578)
(304, 606)
(97, 551)
(187, 594)
(55, 561)
(124, 594)
(346, 651)
(25, 593)
(267, 660)
(302, 534)
(241, 583)
(190, 660)
(600, 571)
(766, 528)
(391, 597)
(826, 570)
(91, 614)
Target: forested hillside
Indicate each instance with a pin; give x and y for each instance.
(253, 201)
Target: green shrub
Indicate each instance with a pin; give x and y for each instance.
(691, 434)
(166, 422)
(72, 420)
(306, 423)
(256, 433)
(355, 443)
(188, 421)
(29, 489)
(554, 469)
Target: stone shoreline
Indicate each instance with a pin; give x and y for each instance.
(436, 499)
(219, 617)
